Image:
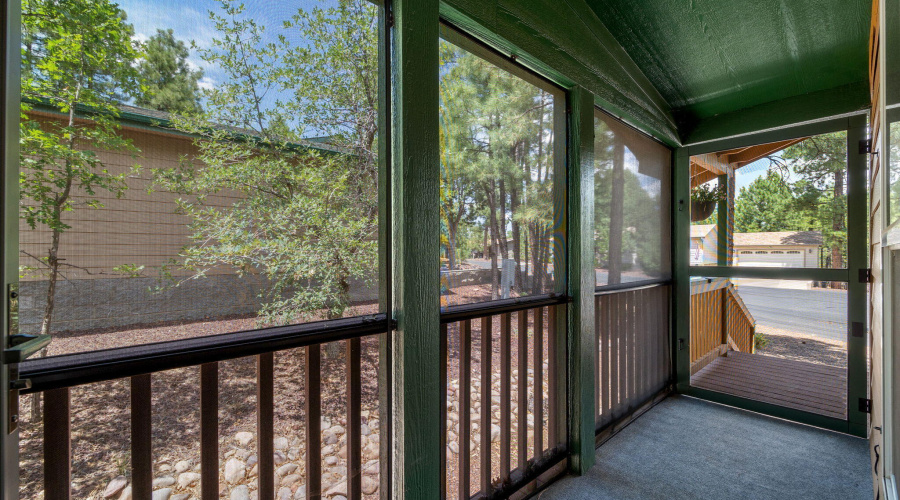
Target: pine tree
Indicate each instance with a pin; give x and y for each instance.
(168, 81)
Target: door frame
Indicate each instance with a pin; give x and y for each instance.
(857, 381)
(9, 211)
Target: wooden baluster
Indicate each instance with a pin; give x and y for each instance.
(313, 422)
(141, 437)
(265, 423)
(522, 427)
(442, 368)
(465, 385)
(539, 383)
(209, 431)
(354, 422)
(487, 324)
(57, 444)
(505, 420)
(552, 381)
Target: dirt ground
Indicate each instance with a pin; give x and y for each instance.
(791, 345)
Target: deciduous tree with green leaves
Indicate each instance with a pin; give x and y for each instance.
(77, 61)
(306, 215)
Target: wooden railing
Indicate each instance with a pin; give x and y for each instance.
(719, 321)
(506, 358)
(633, 362)
(55, 377)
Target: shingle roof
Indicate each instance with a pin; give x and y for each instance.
(778, 238)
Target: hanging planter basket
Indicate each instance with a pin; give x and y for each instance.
(701, 210)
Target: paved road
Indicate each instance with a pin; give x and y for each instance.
(819, 312)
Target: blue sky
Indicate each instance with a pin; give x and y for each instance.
(189, 20)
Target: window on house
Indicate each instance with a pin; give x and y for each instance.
(631, 204)
(502, 151)
(778, 252)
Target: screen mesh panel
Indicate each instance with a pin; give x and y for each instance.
(230, 182)
(500, 151)
(632, 192)
(789, 204)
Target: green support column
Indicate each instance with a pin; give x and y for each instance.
(416, 236)
(857, 259)
(9, 131)
(725, 221)
(681, 289)
(581, 280)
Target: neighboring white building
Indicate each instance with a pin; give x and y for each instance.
(772, 249)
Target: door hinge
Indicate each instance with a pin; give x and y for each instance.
(865, 405)
(865, 275)
(865, 146)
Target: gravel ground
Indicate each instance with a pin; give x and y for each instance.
(800, 347)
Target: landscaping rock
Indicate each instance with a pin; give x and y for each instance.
(163, 482)
(126, 493)
(187, 479)
(182, 466)
(242, 492)
(369, 485)
(115, 487)
(243, 438)
(286, 469)
(289, 480)
(281, 443)
(284, 494)
(162, 494)
(234, 470)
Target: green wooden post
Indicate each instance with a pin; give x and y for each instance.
(9, 132)
(681, 288)
(725, 221)
(414, 187)
(857, 252)
(581, 280)
(385, 288)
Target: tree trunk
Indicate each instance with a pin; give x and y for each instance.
(616, 216)
(495, 250)
(516, 237)
(451, 246)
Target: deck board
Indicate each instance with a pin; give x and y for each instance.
(793, 384)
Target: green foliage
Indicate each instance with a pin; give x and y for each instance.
(708, 193)
(767, 204)
(306, 219)
(78, 59)
(169, 83)
(760, 341)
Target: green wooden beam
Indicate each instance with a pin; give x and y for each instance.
(805, 108)
(415, 226)
(772, 410)
(9, 131)
(779, 273)
(681, 278)
(857, 259)
(581, 280)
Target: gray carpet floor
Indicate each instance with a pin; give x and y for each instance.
(693, 449)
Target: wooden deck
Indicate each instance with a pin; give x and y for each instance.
(799, 385)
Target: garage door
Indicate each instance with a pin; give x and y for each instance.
(770, 258)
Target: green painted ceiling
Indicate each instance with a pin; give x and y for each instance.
(709, 57)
